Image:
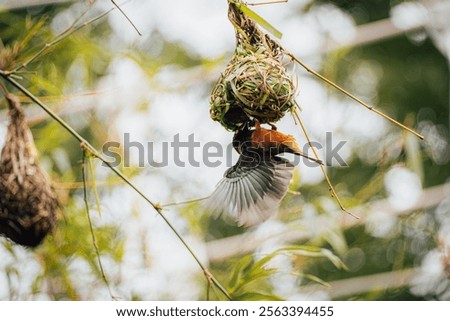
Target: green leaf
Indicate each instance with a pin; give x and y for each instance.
(256, 274)
(260, 20)
(312, 251)
(302, 250)
(334, 259)
(336, 239)
(261, 262)
(256, 296)
(238, 270)
(312, 278)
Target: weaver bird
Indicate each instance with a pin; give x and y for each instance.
(253, 188)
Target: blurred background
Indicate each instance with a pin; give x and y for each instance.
(106, 80)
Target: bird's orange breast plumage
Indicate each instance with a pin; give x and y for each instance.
(266, 138)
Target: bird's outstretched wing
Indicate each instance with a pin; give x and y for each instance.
(251, 190)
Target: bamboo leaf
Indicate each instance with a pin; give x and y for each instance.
(256, 296)
(259, 20)
(306, 250)
(33, 31)
(261, 262)
(259, 274)
(312, 251)
(312, 278)
(334, 259)
(238, 270)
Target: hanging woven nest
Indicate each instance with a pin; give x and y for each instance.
(255, 82)
(28, 204)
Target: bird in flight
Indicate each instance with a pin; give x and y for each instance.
(252, 189)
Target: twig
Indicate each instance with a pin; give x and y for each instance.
(77, 185)
(322, 167)
(87, 146)
(210, 279)
(353, 97)
(185, 202)
(126, 17)
(72, 29)
(91, 228)
(208, 290)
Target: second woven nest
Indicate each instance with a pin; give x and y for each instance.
(28, 203)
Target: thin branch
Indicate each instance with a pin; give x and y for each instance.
(359, 101)
(77, 185)
(7, 77)
(91, 228)
(211, 279)
(194, 200)
(72, 29)
(87, 146)
(126, 17)
(208, 290)
(322, 167)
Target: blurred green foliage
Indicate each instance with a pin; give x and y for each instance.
(412, 87)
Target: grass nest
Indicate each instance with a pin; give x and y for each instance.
(28, 203)
(255, 84)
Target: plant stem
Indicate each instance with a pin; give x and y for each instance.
(322, 167)
(126, 17)
(185, 202)
(345, 92)
(87, 146)
(91, 228)
(59, 38)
